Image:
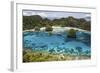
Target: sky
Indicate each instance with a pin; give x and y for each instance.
(56, 14)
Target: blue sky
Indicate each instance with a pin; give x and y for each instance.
(57, 15)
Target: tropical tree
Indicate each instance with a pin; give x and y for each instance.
(72, 22)
(72, 33)
(30, 22)
(49, 28)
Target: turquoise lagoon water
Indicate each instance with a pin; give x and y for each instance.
(59, 42)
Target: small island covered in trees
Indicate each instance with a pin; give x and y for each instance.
(57, 36)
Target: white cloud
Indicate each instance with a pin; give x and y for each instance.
(88, 15)
(28, 13)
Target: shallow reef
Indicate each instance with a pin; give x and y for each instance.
(43, 56)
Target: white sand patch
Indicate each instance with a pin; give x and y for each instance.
(57, 29)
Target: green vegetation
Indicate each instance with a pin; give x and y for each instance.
(48, 28)
(72, 33)
(37, 28)
(30, 22)
(42, 56)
